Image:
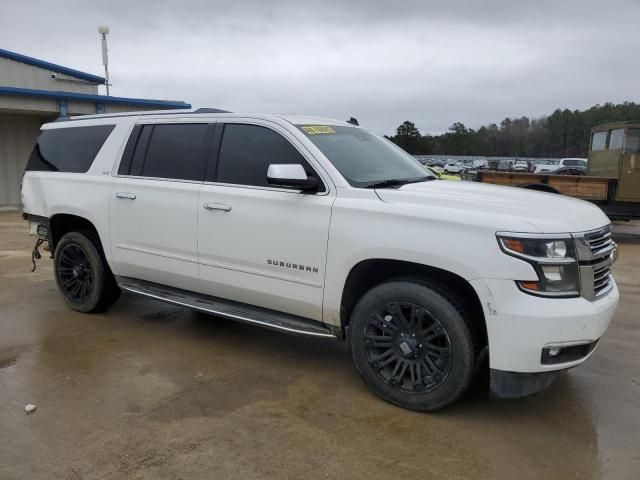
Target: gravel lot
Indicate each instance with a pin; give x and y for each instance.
(153, 391)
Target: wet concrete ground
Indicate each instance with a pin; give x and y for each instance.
(153, 391)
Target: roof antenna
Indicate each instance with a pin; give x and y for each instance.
(103, 30)
(353, 121)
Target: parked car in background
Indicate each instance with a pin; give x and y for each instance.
(564, 162)
(453, 167)
(545, 167)
(504, 165)
(570, 171)
(572, 162)
(521, 166)
(440, 175)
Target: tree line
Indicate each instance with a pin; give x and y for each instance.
(564, 133)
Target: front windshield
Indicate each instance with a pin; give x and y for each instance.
(361, 157)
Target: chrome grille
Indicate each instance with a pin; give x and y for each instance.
(595, 251)
(600, 241)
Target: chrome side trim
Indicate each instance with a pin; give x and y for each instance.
(259, 273)
(157, 253)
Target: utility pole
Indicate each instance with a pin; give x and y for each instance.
(103, 30)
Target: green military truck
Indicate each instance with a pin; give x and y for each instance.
(612, 180)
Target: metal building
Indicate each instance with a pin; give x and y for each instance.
(33, 92)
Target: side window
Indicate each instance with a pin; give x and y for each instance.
(70, 149)
(140, 151)
(570, 163)
(173, 151)
(615, 139)
(632, 142)
(599, 141)
(247, 151)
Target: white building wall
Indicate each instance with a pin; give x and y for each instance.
(32, 105)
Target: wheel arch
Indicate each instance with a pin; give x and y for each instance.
(539, 187)
(371, 272)
(61, 223)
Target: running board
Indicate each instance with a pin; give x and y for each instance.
(262, 317)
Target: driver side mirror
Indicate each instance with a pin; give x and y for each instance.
(290, 176)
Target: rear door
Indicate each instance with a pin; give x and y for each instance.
(154, 199)
(258, 244)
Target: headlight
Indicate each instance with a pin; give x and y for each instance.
(554, 260)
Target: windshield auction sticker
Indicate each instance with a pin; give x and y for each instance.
(318, 129)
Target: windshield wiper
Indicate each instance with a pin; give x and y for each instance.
(398, 182)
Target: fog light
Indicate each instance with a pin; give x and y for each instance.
(554, 351)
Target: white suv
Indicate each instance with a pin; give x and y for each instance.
(453, 167)
(318, 227)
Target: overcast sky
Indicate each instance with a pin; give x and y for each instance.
(383, 62)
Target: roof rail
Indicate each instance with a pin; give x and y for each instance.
(210, 110)
(142, 113)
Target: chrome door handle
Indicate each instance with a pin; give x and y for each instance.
(130, 196)
(217, 206)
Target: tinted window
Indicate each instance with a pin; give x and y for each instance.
(599, 141)
(248, 150)
(616, 138)
(125, 162)
(68, 149)
(140, 150)
(174, 151)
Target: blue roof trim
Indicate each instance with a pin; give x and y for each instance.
(86, 97)
(51, 66)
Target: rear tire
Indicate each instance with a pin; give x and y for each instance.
(82, 273)
(411, 344)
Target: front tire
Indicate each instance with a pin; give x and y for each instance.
(411, 344)
(82, 273)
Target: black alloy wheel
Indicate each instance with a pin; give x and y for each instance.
(82, 272)
(412, 343)
(408, 347)
(75, 273)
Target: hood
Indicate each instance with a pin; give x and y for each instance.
(503, 208)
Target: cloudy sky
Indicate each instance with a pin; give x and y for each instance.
(431, 62)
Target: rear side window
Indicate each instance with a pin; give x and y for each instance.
(71, 149)
(599, 141)
(174, 151)
(247, 151)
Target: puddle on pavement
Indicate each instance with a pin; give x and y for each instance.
(8, 362)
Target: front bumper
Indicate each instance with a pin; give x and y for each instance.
(520, 326)
(516, 384)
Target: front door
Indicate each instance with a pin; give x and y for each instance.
(257, 244)
(154, 202)
(629, 185)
